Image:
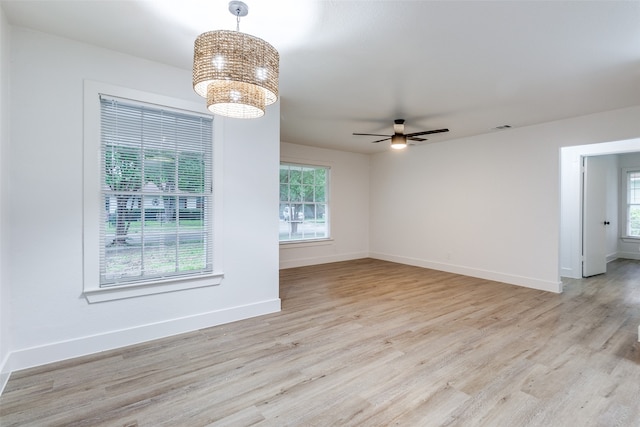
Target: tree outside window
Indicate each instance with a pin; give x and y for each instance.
(304, 203)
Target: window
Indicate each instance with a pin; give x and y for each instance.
(304, 202)
(633, 203)
(152, 228)
(156, 176)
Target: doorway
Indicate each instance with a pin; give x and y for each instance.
(571, 200)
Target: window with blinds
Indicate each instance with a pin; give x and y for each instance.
(156, 178)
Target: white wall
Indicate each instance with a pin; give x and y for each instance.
(4, 138)
(349, 207)
(486, 206)
(50, 318)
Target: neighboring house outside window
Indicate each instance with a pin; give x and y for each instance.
(155, 183)
(304, 202)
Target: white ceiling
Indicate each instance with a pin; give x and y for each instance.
(354, 66)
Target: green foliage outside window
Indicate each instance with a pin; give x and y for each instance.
(303, 201)
(634, 221)
(123, 175)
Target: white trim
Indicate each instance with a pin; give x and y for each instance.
(629, 255)
(91, 197)
(630, 239)
(192, 109)
(567, 272)
(623, 204)
(54, 352)
(292, 244)
(156, 287)
(5, 373)
(527, 282)
(303, 262)
(305, 162)
(611, 257)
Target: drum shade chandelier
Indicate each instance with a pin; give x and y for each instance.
(236, 72)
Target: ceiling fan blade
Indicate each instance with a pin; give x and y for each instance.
(413, 138)
(371, 134)
(426, 132)
(380, 140)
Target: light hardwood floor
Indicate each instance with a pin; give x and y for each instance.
(370, 343)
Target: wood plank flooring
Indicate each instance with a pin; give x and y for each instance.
(369, 343)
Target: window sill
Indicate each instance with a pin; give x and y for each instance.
(630, 239)
(157, 287)
(305, 243)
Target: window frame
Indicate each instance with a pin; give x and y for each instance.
(624, 179)
(312, 241)
(92, 199)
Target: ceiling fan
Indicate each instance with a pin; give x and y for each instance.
(399, 138)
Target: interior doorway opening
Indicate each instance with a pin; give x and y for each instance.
(572, 201)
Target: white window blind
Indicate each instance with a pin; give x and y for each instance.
(156, 175)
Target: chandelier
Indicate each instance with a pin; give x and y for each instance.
(236, 72)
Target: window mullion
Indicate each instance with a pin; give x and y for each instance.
(176, 266)
(143, 217)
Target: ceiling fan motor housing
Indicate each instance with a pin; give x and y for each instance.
(398, 126)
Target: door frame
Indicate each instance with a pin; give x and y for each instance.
(570, 251)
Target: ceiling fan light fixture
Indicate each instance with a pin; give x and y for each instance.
(398, 142)
(236, 72)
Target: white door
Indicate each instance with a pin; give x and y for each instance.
(594, 221)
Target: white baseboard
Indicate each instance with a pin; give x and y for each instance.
(4, 373)
(54, 352)
(629, 255)
(526, 282)
(570, 273)
(303, 262)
